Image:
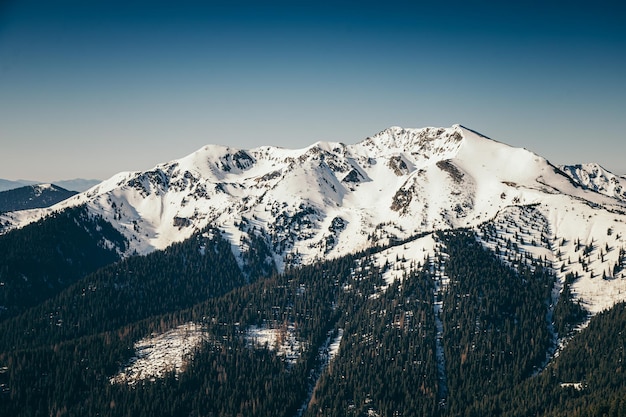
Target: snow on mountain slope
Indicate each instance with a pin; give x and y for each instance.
(598, 179)
(331, 199)
(571, 238)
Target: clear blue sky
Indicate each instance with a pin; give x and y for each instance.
(89, 88)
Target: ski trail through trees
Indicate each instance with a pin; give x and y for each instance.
(437, 270)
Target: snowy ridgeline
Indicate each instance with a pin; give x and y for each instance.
(330, 199)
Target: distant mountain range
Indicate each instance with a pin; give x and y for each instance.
(429, 271)
(77, 184)
(9, 184)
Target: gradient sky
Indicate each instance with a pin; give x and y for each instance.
(89, 88)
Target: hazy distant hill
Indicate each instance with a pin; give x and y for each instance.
(10, 185)
(77, 184)
(33, 196)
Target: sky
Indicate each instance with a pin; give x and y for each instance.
(92, 88)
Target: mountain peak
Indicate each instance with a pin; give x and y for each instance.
(401, 137)
(418, 145)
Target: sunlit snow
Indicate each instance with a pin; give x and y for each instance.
(158, 355)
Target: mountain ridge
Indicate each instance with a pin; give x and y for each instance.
(330, 199)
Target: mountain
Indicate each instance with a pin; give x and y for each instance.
(33, 196)
(332, 199)
(426, 271)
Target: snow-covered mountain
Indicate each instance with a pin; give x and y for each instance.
(596, 178)
(331, 199)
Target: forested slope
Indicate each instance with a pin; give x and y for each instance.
(461, 334)
(43, 258)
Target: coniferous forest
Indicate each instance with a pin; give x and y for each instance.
(43, 258)
(462, 334)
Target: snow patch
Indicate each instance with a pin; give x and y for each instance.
(333, 348)
(401, 259)
(578, 386)
(280, 340)
(159, 355)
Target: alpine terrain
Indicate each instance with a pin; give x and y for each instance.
(426, 271)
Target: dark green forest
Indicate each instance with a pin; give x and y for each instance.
(42, 259)
(482, 354)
